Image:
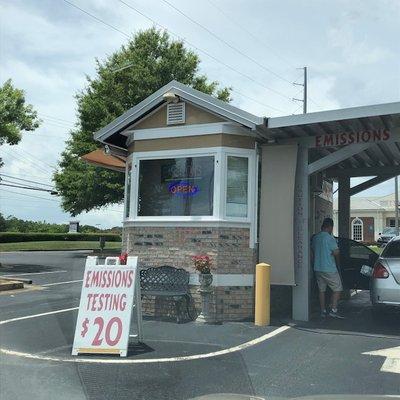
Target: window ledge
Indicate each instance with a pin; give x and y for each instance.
(206, 222)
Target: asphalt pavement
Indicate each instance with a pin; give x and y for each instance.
(286, 359)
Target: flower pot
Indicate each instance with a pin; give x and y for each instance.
(205, 291)
(205, 280)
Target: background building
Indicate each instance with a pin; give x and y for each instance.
(369, 215)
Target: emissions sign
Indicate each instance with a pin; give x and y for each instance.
(105, 308)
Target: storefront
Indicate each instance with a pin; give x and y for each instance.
(204, 177)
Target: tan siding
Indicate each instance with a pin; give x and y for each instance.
(192, 142)
(194, 115)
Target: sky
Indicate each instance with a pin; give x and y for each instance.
(48, 47)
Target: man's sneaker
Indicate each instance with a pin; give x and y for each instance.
(323, 314)
(334, 314)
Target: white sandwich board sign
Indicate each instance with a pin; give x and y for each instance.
(105, 309)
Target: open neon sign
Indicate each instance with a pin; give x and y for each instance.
(183, 188)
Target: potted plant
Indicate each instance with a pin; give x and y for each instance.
(202, 264)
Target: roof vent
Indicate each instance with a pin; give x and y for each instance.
(175, 113)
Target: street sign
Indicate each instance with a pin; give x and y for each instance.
(392, 361)
(105, 309)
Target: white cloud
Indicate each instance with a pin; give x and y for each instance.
(47, 47)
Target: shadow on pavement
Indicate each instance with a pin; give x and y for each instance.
(178, 380)
(359, 317)
(25, 268)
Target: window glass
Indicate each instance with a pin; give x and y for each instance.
(389, 231)
(357, 250)
(128, 191)
(176, 187)
(357, 226)
(236, 189)
(392, 250)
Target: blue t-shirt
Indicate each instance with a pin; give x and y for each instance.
(323, 244)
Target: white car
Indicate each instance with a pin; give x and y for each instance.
(385, 278)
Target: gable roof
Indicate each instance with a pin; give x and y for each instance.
(369, 203)
(111, 132)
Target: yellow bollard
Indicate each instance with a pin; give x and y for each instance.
(263, 292)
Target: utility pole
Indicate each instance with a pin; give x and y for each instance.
(304, 84)
(396, 202)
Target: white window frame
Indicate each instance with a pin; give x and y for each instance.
(357, 222)
(220, 155)
(127, 217)
(251, 182)
(165, 154)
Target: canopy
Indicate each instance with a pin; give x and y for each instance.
(100, 159)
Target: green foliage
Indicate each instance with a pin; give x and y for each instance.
(14, 237)
(15, 115)
(154, 60)
(13, 224)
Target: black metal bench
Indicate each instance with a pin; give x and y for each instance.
(167, 282)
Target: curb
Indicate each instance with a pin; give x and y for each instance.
(10, 285)
(37, 250)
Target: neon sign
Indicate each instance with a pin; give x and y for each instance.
(183, 188)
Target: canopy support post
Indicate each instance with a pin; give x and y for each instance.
(344, 207)
(301, 292)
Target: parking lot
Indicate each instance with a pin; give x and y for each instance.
(186, 360)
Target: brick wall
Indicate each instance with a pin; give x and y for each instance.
(228, 248)
(368, 229)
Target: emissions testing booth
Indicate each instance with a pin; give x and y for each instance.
(205, 177)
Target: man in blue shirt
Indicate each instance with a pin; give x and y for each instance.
(326, 258)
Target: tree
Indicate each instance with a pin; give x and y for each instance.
(152, 59)
(15, 115)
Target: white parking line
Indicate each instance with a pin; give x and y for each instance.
(230, 350)
(6, 321)
(35, 273)
(61, 283)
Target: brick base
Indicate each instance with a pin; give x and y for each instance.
(230, 253)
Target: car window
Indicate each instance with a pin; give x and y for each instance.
(354, 249)
(392, 250)
(358, 250)
(389, 231)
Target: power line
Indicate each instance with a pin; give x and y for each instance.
(256, 101)
(27, 173)
(29, 195)
(54, 121)
(244, 29)
(33, 160)
(25, 180)
(96, 18)
(180, 38)
(37, 159)
(27, 162)
(58, 124)
(271, 49)
(50, 136)
(228, 44)
(28, 187)
(58, 119)
(198, 49)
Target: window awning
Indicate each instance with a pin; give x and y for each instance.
(100, 159)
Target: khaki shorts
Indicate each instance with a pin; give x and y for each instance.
(331, 279)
